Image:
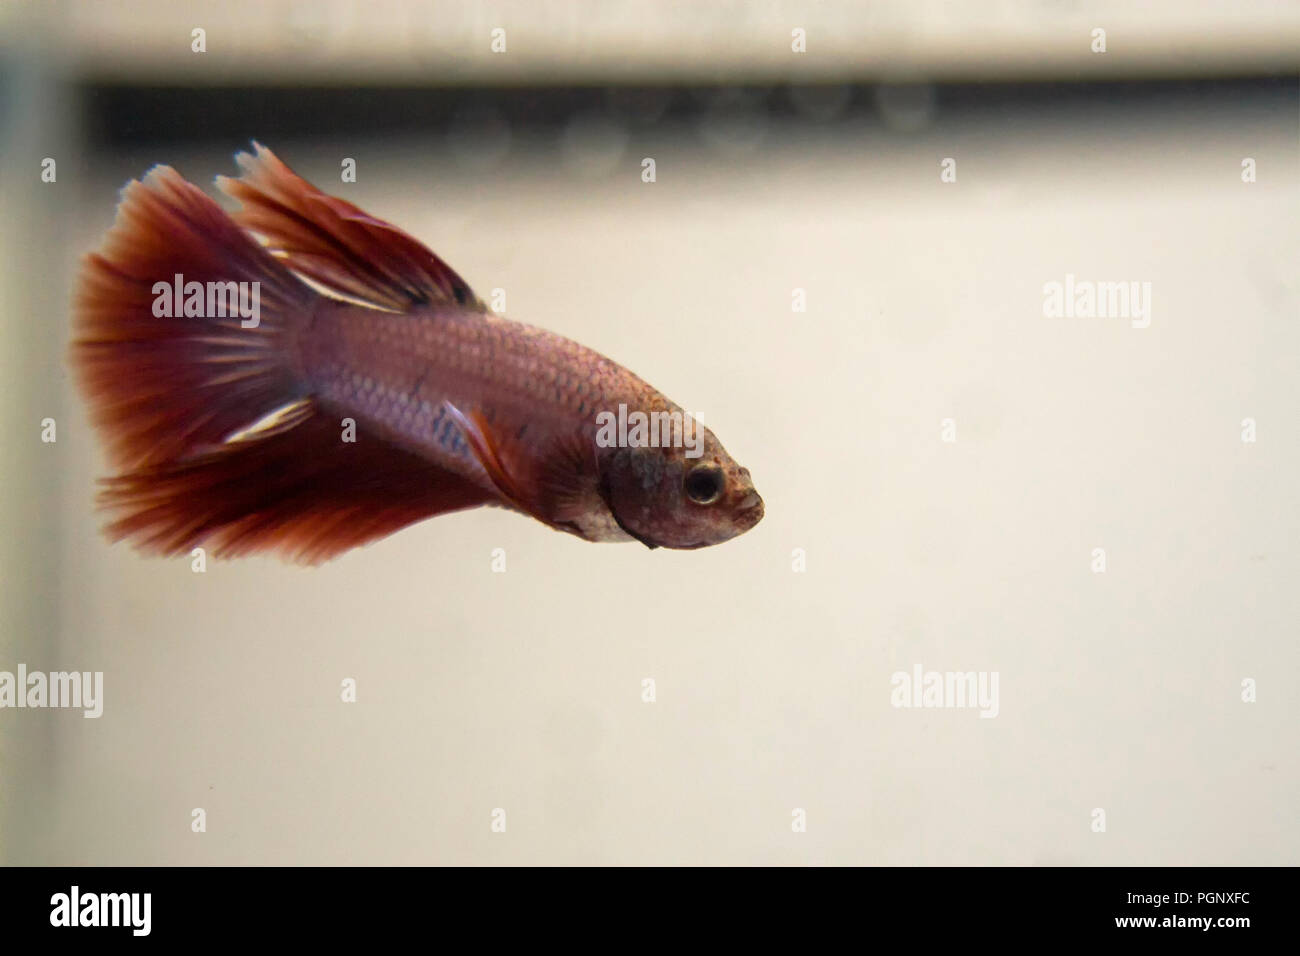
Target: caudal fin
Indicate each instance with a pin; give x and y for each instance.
(161, 386)
(218, 438)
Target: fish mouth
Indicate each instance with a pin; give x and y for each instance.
(747, 513)
(750, 511)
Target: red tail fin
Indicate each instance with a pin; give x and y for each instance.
(300, 492)
(161, 386)
(172, 393)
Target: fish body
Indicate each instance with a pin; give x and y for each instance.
(373, 390)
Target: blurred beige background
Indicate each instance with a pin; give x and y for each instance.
(523, 690)
(337, 41)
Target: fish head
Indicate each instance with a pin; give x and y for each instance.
(667, 498)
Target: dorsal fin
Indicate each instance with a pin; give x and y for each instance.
(336, 244)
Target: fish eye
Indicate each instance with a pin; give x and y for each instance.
(703, 484)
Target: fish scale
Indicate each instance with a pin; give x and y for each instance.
(526, 381)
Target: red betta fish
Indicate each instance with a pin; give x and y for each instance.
(335, 381)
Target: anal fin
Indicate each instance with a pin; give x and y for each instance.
(299, 492)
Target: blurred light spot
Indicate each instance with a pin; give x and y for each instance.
(820, 103)
(641, 107)
(479, 139)
(907, 107)
(306, 25)
(734, 121)
(741, 97)
(593, 144)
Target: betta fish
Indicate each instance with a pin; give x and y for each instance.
(300, 377)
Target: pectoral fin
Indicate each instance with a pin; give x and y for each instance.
(478, 433)
(553, 482)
